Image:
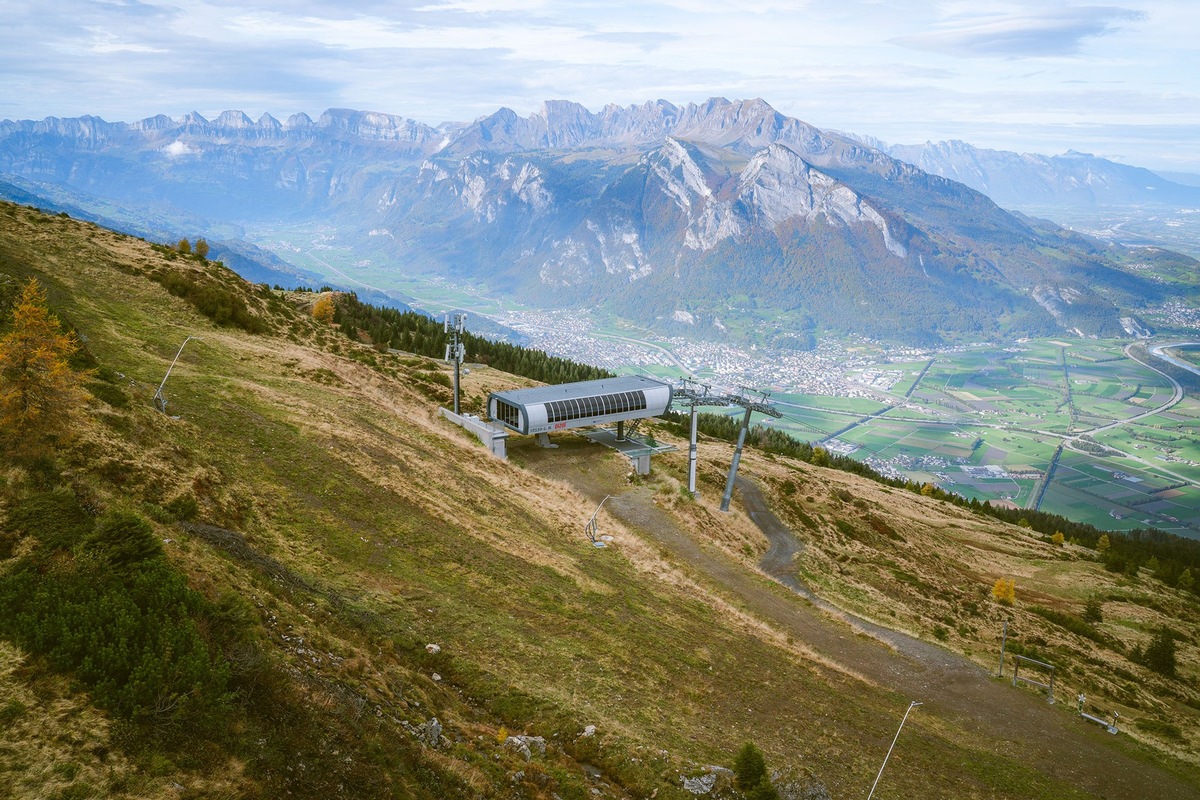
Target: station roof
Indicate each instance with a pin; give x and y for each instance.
(568, 391)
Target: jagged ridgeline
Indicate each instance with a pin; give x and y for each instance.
(704, 219)
(301, 581)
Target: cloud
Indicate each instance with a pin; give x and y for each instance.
(177, 149)
(834, 64)
(1014, 34)
(645, 41)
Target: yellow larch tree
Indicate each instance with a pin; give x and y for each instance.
(323, 309)
(39, 392)
(1004, 591)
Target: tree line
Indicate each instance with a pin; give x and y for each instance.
(423, 335)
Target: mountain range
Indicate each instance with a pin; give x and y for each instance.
(697, 219)
(1073, 179)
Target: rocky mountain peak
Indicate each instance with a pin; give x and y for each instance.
(233, 119)
(85, 128)
(158, 122)
(375, 126)
(300, 121)
(649, 192)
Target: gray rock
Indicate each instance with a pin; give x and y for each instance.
(527, 745)
(702, 785)
(431, 733)
(802, 789)
(713, 778)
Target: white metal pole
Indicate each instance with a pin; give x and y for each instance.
(591, 526)
(158, 396)
(911, 706)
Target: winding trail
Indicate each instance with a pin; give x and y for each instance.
(950, 685)
(1021, 725)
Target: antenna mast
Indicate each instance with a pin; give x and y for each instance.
(751, 404)
(455, 350)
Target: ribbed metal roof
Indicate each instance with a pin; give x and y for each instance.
(568, 391)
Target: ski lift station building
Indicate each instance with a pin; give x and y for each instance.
(545, 409)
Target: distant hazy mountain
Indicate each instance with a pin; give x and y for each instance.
(1185, 178)
(706, 217)
(1073, 179)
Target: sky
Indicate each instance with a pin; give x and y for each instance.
(1038, 76)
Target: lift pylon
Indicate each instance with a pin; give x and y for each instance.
(694, 395)
(753, 401)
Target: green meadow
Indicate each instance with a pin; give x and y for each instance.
(1013, 409)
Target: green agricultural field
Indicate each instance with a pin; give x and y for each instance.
(656, 371)
(1122, 498)
(1015, 405)
(854, 405)
(917, 413)
(1004, 491)
(808, 424)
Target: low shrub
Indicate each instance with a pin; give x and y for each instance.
(1073, 624)
(217, 303)
(99, 600)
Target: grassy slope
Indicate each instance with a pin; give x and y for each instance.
(931, 573)
(373, 528)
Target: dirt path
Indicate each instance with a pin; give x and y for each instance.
(1023, 726)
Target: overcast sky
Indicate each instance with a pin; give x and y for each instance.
(1044, 76)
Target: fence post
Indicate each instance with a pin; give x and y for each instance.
(1003, 639)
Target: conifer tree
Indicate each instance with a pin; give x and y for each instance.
(1186, 581)
(323, 309)
(749, 766)
(39, 392)
(1160, 653)
(1004, 591)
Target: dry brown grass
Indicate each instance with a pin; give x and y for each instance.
(256, 412)
(956, 556)
(54, 741)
